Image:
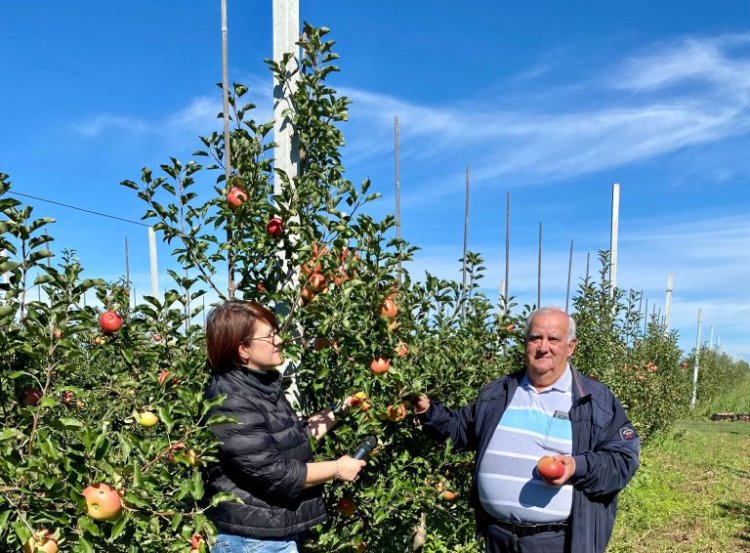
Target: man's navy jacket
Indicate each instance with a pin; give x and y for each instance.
(605, 449)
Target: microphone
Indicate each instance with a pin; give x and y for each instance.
(365, 447)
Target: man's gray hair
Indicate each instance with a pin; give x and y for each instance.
(571, 323)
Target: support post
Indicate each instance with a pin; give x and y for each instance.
(152, 262)
(696, 364)
(668, 303)
(613, 237)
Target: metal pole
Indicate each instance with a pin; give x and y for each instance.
(711, 339)
(570, 271)
(613, 236)
(153, 264)
(398, 189)
(539, 272)
(645, 318)
(507, 254)
(227, 139)
(696, 365)
(466, 243)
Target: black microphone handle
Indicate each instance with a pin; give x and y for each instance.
(364, 448)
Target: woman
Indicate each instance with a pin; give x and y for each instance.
(263, 458)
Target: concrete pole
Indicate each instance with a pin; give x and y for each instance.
(507, 255)
(613, 236)
(570, 272)
(153, 263)
(397, 176)
(285, 37)
(696, 365)
(539, 272)
(668, 303)
(466, 245)
(286, 151)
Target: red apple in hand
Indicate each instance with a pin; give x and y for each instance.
(236, 197)
(110, 321)
(550, 468)
(275, 226)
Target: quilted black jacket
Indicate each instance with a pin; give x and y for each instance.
(262, 459)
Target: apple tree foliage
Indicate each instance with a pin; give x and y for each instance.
(71, 396)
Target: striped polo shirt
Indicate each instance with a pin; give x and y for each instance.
(534, 424)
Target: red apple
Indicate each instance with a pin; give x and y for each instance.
(110, 321)
(42, 540)
(389, 309)
(346, 507)
(317, 282)
(396, 413)
(380, 365)
(68, 397)
(550, 468)
(236, 197)
(195, 543)
(31, 397)
(275, 226)
(163, 375)
(102, 501)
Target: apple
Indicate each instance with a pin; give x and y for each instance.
(396, 413)
(550, 468)
(102, 501)
(42, 540)
(346, 507)
(275, 226)
(260, 287)
(448, 495)
(146, 418)
(236, 197)
(380, 365)
(68, 397)
(402, 350)
(163, 375)
(317, 282)
(57, 334)
(321, 343)
(339, 277)
(389, 309)
(100, 340)
(307, 294)
(31, 397)
(172, 449)
(110, 321)
(195, 543)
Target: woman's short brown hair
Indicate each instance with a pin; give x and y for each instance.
(227, 326)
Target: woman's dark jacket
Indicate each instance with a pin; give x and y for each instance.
(605, 448)
(261, 459)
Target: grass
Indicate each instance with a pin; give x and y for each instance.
(691, 494)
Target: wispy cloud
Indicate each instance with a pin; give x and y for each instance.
(691, 92)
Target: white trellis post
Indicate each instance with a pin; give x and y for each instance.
(668, 303)
(286, 152)
(696, 365)
(152, 262)
(613, 236)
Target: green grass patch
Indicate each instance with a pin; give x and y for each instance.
(691, 493)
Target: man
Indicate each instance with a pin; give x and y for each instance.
(550, 409)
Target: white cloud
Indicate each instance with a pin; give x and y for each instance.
(634, 119)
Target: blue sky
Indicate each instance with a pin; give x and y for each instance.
(550, 101)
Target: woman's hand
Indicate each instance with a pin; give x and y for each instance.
(347, 468)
